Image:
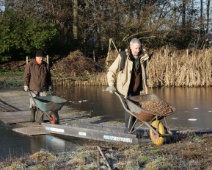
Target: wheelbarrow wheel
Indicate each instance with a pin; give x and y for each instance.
(156, 139)
(54, 118)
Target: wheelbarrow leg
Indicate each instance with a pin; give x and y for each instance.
(129, 122)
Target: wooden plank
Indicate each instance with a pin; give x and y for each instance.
(15, 117)
(31, 130)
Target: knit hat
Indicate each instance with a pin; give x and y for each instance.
(39, 53)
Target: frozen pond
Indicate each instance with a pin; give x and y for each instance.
(193, 111)
(193, 105)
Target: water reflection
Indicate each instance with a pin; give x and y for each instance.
(14, 144)
(10, 142)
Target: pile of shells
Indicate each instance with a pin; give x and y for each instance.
(159, 107)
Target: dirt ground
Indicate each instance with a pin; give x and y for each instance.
(187, 151)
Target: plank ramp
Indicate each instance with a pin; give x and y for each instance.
(21, 118)
(31, 130)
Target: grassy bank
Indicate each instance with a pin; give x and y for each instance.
(165, 68)
(11, 79)
(191, 153)
(15, 79)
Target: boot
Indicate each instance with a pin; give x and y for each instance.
(40, 116)
(32, 116)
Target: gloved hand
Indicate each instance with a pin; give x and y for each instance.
(111, 89)
(50, 88)
(144, 57)
(26, 88)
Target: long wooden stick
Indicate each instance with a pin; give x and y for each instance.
(104, 157)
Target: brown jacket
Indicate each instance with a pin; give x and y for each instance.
(37, 77)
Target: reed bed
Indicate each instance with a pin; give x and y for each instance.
(184, 69)
(166, 68)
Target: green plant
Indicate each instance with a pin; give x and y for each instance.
(11, 73)
(16, 43)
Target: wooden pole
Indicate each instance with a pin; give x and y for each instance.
(104, 157)
(27, 59)
(47, 59)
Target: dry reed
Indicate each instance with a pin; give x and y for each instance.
(166, 68)
(180, 69)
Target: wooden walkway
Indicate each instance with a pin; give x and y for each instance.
(32, 130)
(12, 115)
(15, 117)
(21, 119)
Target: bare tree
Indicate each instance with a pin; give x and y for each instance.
(75, 15)
(184, 13)
(93, 22)
(201, 18)
(208, 14)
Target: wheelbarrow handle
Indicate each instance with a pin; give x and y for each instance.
(30, 94)
(123, 103)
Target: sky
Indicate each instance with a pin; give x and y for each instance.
(2, 7)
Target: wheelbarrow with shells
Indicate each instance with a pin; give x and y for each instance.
(149, 110)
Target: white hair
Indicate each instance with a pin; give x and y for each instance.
(135, 40)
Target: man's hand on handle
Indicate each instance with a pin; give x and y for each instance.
(26, 88)
(50, 88)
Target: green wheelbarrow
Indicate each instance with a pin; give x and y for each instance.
(49, 105)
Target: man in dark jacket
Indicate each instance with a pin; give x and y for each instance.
(37, 78)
